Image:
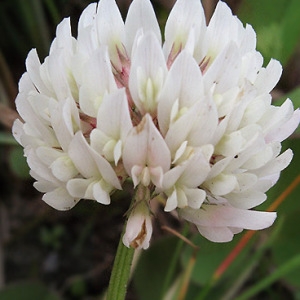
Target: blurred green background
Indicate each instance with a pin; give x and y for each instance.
(46, 254)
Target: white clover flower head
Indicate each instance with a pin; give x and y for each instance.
(188, 117)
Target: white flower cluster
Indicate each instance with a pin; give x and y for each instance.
(188, 119)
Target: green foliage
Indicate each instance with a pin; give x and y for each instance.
(209, 257)
(51, 237)
(27, 291)
(18, 162)
(7, 139)
(152, 269)
(276, 23)
(287, 245)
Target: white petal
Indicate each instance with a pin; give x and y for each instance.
(87, 16)
(140, 16)
(111, 29)
(97, 80)
(224, 216)
(224, 71)
(268, 77)
(60, 199)
(276, 165)
(183, 83)
(65, 120)
(17, 130)
(63, 168)
(113, 116)
(221, 184)
(191, 177)
(144, 146)
(100, 194)
(33, 68)
(64, 39)
(216, 234)
(186, 16)
(246, 199)
(77, 187)
(79, 152)
(195, 197)
(171, 203)
(147, 73)
(281, 122)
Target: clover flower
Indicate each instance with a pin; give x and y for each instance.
(188, 120)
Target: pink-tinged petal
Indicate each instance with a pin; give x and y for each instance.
(147, 73)
(185, 16)
(140, 16)
(60, 199)
(225, 216)
(183, 83)
(139, 227)
(144, 146)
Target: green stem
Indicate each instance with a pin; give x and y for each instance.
(121, 272)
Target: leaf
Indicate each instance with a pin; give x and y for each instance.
(210, 257)
(287, 245)
(276, 23)
(152, 269)
(18, 162)
(7, 139)
(27, 291)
